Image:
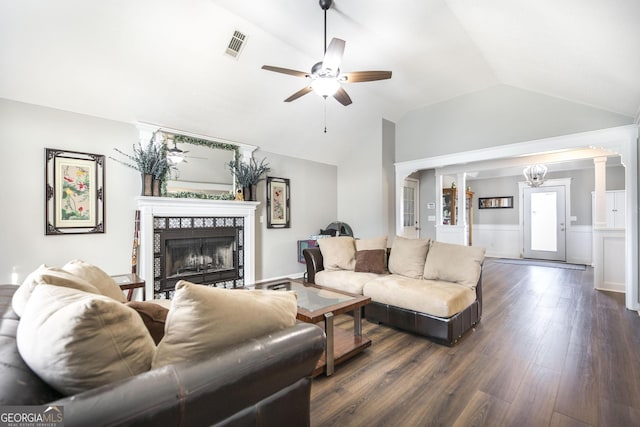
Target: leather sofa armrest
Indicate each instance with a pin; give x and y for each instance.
(313, 259)
(207, 392)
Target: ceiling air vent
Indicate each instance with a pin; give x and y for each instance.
(236, 44)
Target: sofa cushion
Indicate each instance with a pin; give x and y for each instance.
(338, 253)
(344, 280)
(203, 320)
(19, 385)
(371, 255)
(77, 341)
(52, 276)
(153, 316)
(98, 278)
(454, 263)
(437, 298)
(408, 257)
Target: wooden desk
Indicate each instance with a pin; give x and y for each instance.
(130, 282)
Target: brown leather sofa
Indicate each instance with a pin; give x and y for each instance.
(262, 382)
(445, 330)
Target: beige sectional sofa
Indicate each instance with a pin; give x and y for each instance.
(423, 286)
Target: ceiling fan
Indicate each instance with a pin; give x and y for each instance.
(326, 77)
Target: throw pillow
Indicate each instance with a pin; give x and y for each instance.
(76, 341)
(454, 263)
(203, 320)
(408, 256)
(153, 316)
(98, 278)
(52, 276)
(371, 255)
(338, 253)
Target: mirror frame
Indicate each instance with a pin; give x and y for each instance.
(243, 152)
(214, 145)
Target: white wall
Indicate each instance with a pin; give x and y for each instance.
(427, 195)
(388, 176)
(313, 206)
(361, 202)
(25, 131)
(495, 116)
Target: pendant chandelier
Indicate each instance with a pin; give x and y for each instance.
(535, 175)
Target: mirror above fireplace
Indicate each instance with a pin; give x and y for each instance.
(203, 170)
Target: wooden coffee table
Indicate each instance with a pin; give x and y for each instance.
(318, 304)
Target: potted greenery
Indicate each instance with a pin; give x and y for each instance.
(151, 161)
(247, 175)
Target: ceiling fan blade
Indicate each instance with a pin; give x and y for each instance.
(284, 71)
(333, 56)
(365, 76)
(298, 94)
(342, 97)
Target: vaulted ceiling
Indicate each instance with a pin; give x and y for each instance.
(164, 61)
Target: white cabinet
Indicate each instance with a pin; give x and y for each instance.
(615, 208)
(608, 244)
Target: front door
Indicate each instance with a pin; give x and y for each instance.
(410, 226)
(544, 223)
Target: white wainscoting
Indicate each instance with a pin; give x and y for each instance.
(609, 257)
(451, 234)
(579, 244)
(501, 241)
(505, 241)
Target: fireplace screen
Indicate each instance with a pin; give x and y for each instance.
(203, 250)
(185, 257)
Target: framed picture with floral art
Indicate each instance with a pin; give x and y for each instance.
(278, 202)
(74, 192)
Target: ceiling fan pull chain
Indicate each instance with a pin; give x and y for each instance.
(325, 114)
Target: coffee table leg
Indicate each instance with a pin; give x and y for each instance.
(357, 322)
(328, 329)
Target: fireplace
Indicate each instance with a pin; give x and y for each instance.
(202, 250)
(209, 242)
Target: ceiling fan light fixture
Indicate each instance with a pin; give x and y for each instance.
(174, 157)
(535, 175)
(325, 86)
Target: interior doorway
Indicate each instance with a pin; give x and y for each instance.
(544, 223)
(410, 209)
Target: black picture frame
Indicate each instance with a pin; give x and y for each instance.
(278, 203)
(502, 202)
(74, 192)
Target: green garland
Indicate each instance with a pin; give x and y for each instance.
(211, 144)
(193, 195)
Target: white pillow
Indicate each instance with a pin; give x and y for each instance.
(52, 276)
(98, 278)
(203, 320)
(374, 243)
(454, 263)
(408, 256)
(76, 341)
(338, 253)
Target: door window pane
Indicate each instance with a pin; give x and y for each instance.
(408, 196)
(544, 222)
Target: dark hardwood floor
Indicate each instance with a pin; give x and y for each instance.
(549, 351)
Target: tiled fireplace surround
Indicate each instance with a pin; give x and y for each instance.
(177, 213)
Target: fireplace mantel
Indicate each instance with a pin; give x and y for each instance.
(151, 207)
